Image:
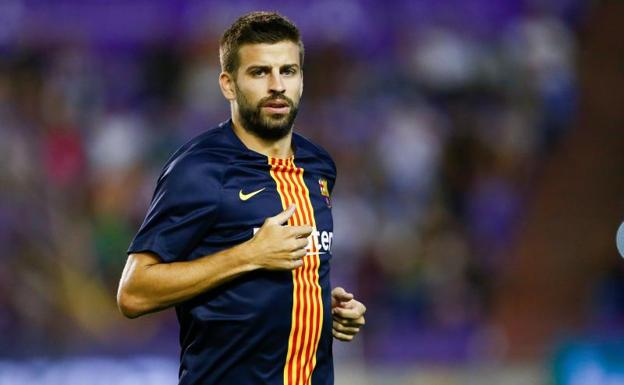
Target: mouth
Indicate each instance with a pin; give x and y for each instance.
(276, 106)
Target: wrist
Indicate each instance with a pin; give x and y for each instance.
(246, 255)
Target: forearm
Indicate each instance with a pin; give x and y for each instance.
(148, 286)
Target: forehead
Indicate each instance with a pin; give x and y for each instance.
(278, 54)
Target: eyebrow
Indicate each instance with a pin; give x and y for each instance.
(268, 67)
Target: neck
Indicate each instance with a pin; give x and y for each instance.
(280, 148)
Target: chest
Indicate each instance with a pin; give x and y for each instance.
(252, 192)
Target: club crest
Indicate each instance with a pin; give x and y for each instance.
(325, 191)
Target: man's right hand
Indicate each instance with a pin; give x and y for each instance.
(278, 247)
(148, 284)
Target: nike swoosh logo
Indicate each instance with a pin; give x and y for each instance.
(244, 197)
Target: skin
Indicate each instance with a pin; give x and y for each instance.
(148, 285)
(347, 315)
(265, 70)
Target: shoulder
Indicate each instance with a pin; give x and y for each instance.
(309, 148)
(203, 156)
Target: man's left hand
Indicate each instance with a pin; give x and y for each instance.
(347, 313)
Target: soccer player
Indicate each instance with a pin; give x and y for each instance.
(239, 231)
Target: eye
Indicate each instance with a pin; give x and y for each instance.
(289, 71)
(258, 72)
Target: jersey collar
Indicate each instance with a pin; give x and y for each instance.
(235, 140)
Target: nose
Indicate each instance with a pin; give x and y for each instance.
(276, 83)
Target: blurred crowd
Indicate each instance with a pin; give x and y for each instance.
(438, 137)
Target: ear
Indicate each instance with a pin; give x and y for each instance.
(226, 83)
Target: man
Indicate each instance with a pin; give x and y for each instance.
(238, 234)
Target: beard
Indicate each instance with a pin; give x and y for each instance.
(266, 126)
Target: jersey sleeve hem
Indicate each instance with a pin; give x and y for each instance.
(162, 254)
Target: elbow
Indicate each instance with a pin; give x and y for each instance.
(130, 305)
(134, 294)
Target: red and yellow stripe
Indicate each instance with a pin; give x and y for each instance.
(307, 310)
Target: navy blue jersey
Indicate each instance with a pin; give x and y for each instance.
(264, 327)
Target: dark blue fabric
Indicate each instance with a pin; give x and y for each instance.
(236, 333)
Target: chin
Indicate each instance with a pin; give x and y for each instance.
(276, 121)
(270, 118)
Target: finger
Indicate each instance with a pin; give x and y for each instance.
(345, 329)
(299, 244)
(358, 322)
(284, 216)
(298, 254)
(341, 294)
(303, 231)
(341, 336)
(295, 264)
(355, 305)
(346, 313)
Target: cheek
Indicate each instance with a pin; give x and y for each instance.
(249, 97)
(251, 90)
(297, 90)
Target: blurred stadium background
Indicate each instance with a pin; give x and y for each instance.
(480, 148)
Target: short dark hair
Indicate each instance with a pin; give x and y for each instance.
(256, 28)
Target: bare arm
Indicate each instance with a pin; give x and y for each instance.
(148, 285)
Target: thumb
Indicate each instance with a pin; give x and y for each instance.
(284, 216)
(340, 294)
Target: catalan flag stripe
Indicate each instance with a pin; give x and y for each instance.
(314, 278)
(307, 310)
(306, 349)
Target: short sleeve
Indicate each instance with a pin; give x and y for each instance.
(334, 175)
(183, 208)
